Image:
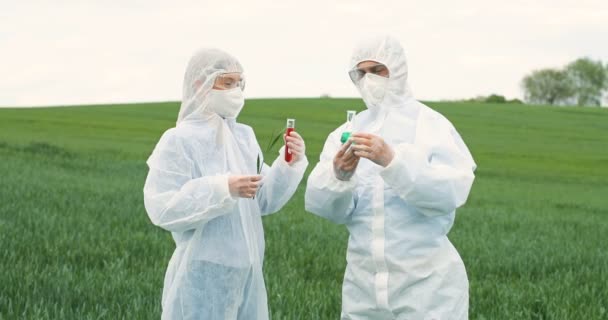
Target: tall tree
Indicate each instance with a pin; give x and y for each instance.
(548, 86)
(589, 79)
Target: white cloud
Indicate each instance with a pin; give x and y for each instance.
(68, 52)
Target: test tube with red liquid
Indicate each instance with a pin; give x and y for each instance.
(291, 126)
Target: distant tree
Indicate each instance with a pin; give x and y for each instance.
(495, 98)
(548, 86)
(476, 99)
(515, 101)
(589, 80)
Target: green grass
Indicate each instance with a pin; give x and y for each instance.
(76, 243)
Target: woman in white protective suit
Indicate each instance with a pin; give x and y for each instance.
(395, 185)
(203, 186)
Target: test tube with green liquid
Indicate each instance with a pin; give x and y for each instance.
(350, 115)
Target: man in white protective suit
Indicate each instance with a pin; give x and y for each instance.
(396, 185)
(205, 187)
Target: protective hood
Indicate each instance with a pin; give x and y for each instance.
(388, 51)
(200, 76)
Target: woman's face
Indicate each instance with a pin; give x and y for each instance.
(226, 81)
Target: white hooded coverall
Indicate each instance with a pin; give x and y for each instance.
(216, 269)
(400, 263)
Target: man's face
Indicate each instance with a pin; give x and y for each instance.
(368, 66)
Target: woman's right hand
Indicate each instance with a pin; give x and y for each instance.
(244, 186)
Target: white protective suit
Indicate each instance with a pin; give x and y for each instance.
(216, 269)
(400, 263)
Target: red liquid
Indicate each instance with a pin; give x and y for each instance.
(288, 156)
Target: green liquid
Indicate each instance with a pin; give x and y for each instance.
(345, 136)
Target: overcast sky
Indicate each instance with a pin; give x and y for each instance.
(69, 52)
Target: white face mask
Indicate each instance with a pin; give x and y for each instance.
(373, 88)
(226, 103)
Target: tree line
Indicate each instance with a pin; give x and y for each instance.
(583, 82)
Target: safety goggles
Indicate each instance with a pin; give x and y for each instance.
(226, 81)
(379, 69)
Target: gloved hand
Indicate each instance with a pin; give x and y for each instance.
(372, 147)
(345, 162)
(296, 146)
(244, 186)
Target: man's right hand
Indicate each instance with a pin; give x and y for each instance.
(244, 186)
(345, 162)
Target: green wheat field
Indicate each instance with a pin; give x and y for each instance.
(76, 243)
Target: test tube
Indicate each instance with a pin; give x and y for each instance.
(291, 126)
(350, 115)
